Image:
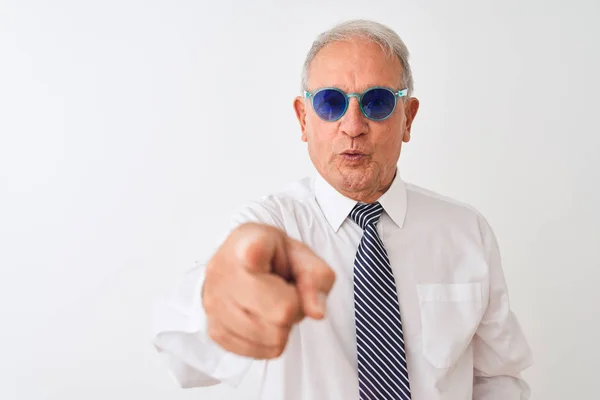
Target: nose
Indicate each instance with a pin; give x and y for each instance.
(354, 123)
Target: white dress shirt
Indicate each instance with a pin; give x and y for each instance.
(462, 339)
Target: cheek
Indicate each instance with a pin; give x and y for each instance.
(322, 143)
(320, 133)
(388, 142)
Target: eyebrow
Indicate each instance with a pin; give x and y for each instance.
(365, 87)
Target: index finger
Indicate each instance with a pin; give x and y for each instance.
(313, 276)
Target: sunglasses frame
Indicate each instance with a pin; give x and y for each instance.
(359, 96)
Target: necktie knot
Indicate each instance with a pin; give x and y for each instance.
(365, 214)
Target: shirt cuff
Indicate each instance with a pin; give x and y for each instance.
(181, 336)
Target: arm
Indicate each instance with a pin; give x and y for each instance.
(180, 326)
(501, 351)
(181, 338)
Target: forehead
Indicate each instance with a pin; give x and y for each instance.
(354, 66)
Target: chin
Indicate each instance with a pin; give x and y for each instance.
(356, 179)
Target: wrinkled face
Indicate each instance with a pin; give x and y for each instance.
(356, 155)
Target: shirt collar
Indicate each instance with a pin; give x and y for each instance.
(336, 207)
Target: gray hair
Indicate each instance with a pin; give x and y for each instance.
(386, 38)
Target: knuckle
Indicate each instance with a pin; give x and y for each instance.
(207, 297)
(210, 302)
(285, 313)
(326, 275)
(216, 333)
(330, 275)
(281, 336)
(279, 349)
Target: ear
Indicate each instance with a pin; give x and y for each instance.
(300, 108)
(411, 107)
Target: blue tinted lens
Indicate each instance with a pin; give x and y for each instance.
(329, 104)
(378, 103)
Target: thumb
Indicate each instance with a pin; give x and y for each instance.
(314, 278)
(261, 249)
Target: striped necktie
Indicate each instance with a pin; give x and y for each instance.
(382, 370)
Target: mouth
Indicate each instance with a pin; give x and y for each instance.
(353, 155)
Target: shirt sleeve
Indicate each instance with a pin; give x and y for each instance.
(501, 351)
(179, 324)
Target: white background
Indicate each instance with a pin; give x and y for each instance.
(130, 129)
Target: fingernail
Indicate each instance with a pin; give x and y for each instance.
(322, 301)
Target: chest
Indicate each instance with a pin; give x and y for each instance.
(440, 276)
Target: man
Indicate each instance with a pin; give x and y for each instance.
(353, 284)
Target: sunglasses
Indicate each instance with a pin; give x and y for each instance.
(376, 103)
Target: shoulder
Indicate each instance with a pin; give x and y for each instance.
(273, 209)
(428, 206)
(431, 200)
